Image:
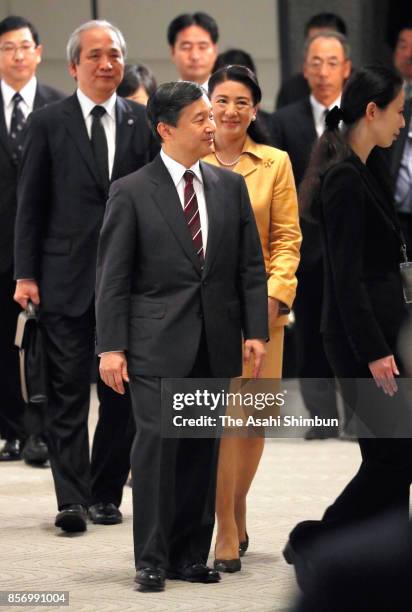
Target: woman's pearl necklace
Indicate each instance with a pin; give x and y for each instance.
(228, 164)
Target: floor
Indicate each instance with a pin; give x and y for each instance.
(296, 480)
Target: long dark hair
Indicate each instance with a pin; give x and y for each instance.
(243, 75)
(370, 84)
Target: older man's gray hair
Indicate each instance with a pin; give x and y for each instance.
(328, 34)
(73, 48)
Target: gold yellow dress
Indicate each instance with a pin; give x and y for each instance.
(271, 186)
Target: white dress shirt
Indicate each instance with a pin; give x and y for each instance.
(28, 93)
(176, 171)
(318, 111)
(108, 122)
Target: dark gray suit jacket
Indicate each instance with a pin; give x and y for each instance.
(396, 150)
(8, 177)
(153, 297)
(61, 200)
(294, 132)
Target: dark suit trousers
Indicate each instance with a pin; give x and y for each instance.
(174, 482)
(11, 402)
(383, 480)
(319, 396)
(70, 353)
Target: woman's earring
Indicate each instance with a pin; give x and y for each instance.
(254, 118)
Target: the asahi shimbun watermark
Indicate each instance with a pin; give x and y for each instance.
(274, 408)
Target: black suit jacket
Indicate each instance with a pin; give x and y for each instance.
(293, 89)
(363, 296)
(8, 176)
(294, 132)
(61, 202)
(397, 149)
(153, 297)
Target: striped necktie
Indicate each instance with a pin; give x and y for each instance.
(191, 211)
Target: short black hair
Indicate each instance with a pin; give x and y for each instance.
(326, 20)
(393, 31)
(168, 101)
(135, 76)
(232, 57)
(181, 22)
(13, 22)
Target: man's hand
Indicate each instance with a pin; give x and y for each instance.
(26, 290)
(273, 310)
(257, 349)
(113, 370)
(383, 371)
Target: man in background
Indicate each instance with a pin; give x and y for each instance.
(20, 94)
(73, 152)
(193, 46)
(296, 87)
(296, 128)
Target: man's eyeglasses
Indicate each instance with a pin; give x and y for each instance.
(11, 49)
(317, 64)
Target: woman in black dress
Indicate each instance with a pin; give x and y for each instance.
(363, 303)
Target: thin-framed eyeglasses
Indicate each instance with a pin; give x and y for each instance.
(11, 48)
(317, 64)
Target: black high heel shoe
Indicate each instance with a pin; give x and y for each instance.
(243, 546)
(227, 565)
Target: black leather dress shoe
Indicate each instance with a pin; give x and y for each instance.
(243, 546)
(11, 451)
(35, 451)
(105, 514)
(321, 433)
(197, 572)
(150, 579)
(72, 518)
(227, 565)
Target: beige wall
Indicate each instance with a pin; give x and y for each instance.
(243, 23)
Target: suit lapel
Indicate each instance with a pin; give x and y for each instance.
(167, 199)
(124, 130)
(246, 165)
(399, 145)
(4, 136)
(215, 212)
(307, 123)
(39, 99)
(76, 129)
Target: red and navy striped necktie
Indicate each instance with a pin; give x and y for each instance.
(191, 210)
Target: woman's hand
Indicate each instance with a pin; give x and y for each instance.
(383, 371)
(273, 310)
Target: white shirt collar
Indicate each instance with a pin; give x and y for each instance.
(177, 170)
(87, 104)
(28, 92)
(318, 108)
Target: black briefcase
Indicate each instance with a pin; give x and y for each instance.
(32, 354)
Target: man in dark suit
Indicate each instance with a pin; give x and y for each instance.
(73, 151)
(177, 310)
(295, 129)
(20, 94)
(296, 87)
